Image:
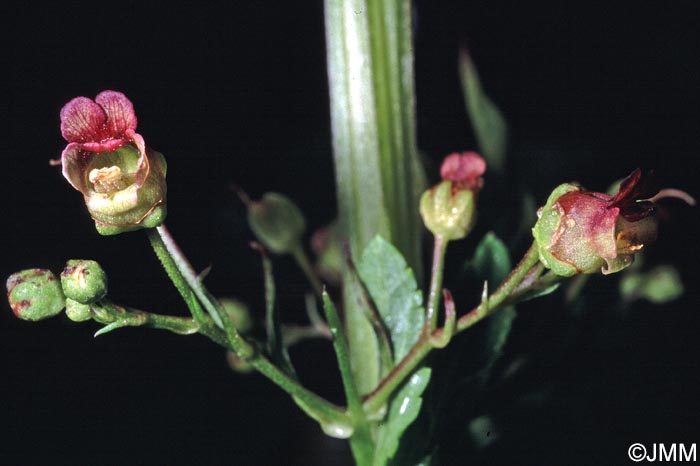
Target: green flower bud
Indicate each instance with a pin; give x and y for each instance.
(84, 281)
(237, 313)
(77, 312)
(35, 294)
(448, 212)
(277, 222)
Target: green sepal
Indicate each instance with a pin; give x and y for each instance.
(549, 218)
(448, 212)
(141, 204)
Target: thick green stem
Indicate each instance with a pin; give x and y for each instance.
(408, 364)
(378, 176)
(370, 74)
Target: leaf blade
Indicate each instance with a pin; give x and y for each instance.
(403, 410)
(393, 288)
(490, 128)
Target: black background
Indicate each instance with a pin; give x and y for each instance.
(236, 93)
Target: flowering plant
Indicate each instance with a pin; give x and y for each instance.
(419, 342)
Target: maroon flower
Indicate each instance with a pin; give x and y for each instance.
(122, 181)
(581, 231)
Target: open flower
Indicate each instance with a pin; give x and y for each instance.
(449, 208)
(122, 180)
(581, 231)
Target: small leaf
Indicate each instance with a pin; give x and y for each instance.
(275, 345)
(489, 125)
(403, 410)
(110, 327)
(392, 286)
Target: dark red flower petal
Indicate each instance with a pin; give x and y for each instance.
(82, 120)
(466, 168)
(120, 113)
(633, 189)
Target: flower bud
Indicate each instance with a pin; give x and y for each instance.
(238, 314)
(122, 181)
(580, 231)
(84, 281)
(35, 294)
(450, 215)
(277, 222)
(77, 312)
(449, 208)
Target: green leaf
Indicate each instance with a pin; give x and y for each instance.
(362, 340)
(275, 345)
(392, 286)
(461, 377)
(491, 262)
(490, 127)
(403, 410)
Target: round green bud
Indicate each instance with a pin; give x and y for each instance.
(277, 222)
(35, 294)
(238, 313)
(448, 212)
(84, 281)
(77, 312)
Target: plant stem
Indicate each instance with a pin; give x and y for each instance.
(340, 345)
(372, 97)
(438, 267)
(208, 326)
(108, 313)
(406, 366)
(317, 407)
(304, 264)
(498, 298)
